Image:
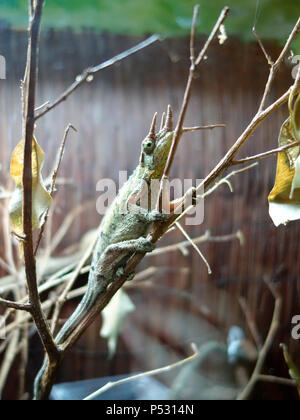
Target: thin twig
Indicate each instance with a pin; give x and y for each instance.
(187, 236)
(225, 180)
(88, 73)
(52, 186)
(265, 154)
(275, 66)
(260, 43)
(246, 393)
(251, 322)
(277, 380)
(15, 305)
(201, 239)
(168, 368)
(203, 127)
(188, 90)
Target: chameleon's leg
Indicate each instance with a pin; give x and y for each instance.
(111, 260)
(146, 216)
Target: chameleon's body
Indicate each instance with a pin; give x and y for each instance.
(123, 233)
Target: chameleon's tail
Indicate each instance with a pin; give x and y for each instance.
(83, 308)
(87, 303)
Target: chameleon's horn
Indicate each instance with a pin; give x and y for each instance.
(163, 121)
(152, 131)
(169, 121)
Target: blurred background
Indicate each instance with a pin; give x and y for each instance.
(179, 303)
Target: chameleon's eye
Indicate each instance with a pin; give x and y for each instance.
(148, 145)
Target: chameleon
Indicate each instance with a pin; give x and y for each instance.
(123, 234)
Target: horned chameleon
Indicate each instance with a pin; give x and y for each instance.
(122, 235)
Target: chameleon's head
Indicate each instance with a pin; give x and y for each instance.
(156, 146)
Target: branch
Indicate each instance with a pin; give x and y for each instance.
(251, 322)
(277, 380)
(265, 154)
(14, 305)
(188, 90)
(275, 66)
(28, 127)
(202, 127)
(201, 239)
(88, 73)
(168, 368)
(267, 344)
(53, 181)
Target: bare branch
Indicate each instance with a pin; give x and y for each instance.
(185, 234)
(88, 73)
(245, 395)
(265, 154)
(202, 127)
(201, 239)
(28, 125)
(53, 181)
(14, 305)
(277, 380)
(251, 322)
(267, 56)
(194, 64)
(168, 368)
(275, 66)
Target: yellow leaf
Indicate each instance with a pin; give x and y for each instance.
(284, 199)
(41, 199)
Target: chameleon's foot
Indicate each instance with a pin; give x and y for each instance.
(156, 216)
(121, 272)
(148, 216)
(130, 276)
(144, 245)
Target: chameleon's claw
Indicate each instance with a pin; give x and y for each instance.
(157, 216)
(121, 272)
(144, 245)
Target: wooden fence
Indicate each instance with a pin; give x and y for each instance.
(113, 115)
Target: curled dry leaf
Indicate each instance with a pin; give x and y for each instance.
(284, 199)
(41, 199)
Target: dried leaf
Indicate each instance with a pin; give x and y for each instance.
(113, 316)
(284, 199)
(41, 199)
